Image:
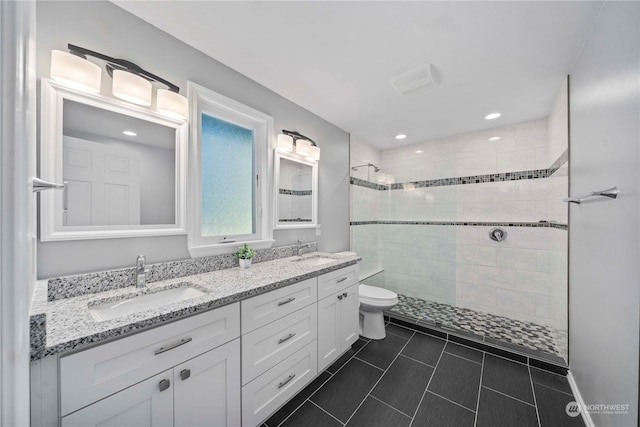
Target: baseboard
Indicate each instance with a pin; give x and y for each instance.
(586, 417)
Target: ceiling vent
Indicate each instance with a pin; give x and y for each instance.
(417, 78)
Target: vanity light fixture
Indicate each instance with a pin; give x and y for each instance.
(291, 141)
(495, 138)
(401, 136)
(130, 82)
(492, 116)
(129, 133)
(75, 71)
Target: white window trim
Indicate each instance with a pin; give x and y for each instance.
(200, 246)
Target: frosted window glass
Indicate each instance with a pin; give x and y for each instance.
(227, 178)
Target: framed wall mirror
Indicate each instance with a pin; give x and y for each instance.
(124, 168)
(296, 192)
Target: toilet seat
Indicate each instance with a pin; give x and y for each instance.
(376, 294)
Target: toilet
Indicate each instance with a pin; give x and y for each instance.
(373, 301)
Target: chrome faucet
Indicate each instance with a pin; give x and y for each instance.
(298, 247)
(141, 271)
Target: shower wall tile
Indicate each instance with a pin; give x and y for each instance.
(518, 258)
(496, 277)
(476, 254)
(467, 273)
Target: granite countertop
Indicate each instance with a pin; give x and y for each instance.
(66, 324)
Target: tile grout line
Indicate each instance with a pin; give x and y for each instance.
(449, 400)
(554, 389)
(371, 364)
(416, 360)
(379, 379)
(463, 358)
(533, 391)
(319, 407)
(475, 420)
(304, 401)
(506, 395)
(426, 388)
(385, 403)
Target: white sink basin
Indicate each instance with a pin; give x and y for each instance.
(125, 306)
(314, 261)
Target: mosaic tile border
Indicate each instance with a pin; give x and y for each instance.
(541, 224)
(368, 184)
(471, 179)
(294, 192)
(91, 283)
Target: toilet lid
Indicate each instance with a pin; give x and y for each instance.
(374, 292)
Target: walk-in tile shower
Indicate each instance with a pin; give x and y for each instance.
(421, 218)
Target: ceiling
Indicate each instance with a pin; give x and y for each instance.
(335, 58)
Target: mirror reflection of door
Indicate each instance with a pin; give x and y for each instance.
(103, 184)
(120, 170)
(295, 203)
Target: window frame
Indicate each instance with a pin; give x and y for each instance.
(203, 100)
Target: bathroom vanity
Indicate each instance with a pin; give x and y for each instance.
(230, 356)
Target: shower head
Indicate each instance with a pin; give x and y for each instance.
(375, 168)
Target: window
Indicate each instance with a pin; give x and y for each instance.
(228, 160)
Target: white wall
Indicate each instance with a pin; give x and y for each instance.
(104, 27)
(604, 257)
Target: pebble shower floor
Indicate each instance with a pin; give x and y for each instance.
(486, 327)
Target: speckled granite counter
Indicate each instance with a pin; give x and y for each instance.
(66, 324)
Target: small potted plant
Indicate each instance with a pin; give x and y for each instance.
(244, 255)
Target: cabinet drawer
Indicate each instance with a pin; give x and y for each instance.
(338, 280)
(272, 389)
(265, 308)
(269, 345)
(93, 374)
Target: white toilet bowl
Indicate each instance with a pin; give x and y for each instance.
(373, 301)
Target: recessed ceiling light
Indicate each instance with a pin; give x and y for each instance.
(129, 133)
(494, 138)
(492, 116)
(401, 136)
(419, 151)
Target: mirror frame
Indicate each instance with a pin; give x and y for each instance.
(314, 191)
(53, 96)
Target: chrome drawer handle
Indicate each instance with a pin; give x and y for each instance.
(285, 382)
(287, 338)
(184, 374)
(345, 294)
(340, 297)
(341, 280)
(287, 301)
(164, 384)
(172, 346)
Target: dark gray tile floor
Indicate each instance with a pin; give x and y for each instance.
(412, 379)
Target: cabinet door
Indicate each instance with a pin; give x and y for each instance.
(147, 403)
(329, 330)
(207, 388)
(349, 317)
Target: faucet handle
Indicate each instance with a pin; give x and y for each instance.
(141, 262)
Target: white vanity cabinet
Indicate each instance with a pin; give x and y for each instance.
(338, 316)
(186, 373)
(202, 391)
